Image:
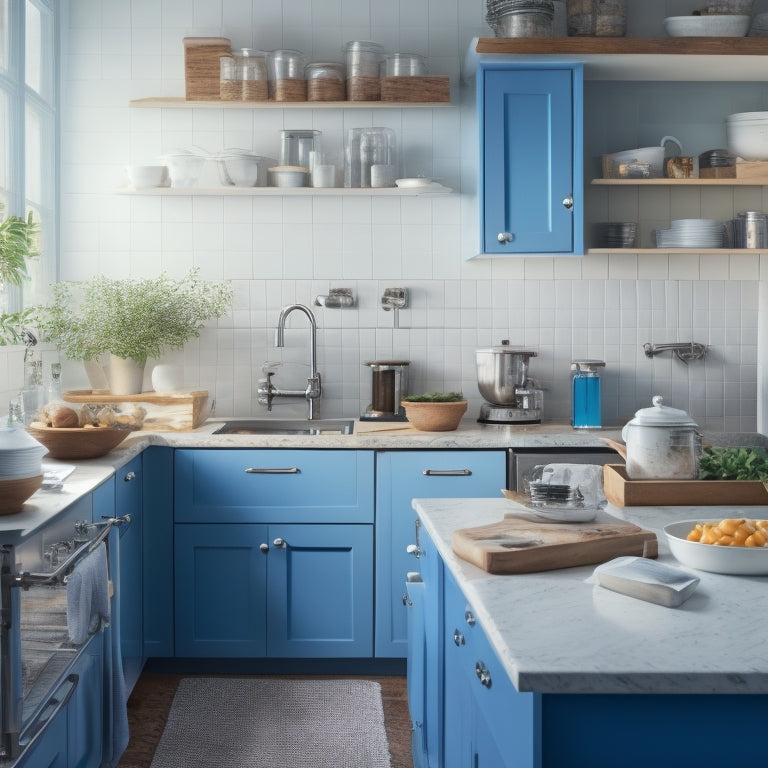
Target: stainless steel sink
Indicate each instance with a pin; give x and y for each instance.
(286, 427)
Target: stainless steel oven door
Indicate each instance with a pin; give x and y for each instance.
(37, 654)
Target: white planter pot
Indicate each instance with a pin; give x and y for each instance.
(167, 378)
(97, 375)
(126, 377)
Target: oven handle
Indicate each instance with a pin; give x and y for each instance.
(26, 579)
(38, 725)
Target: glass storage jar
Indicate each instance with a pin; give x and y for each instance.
(325, 81)
(252, 68)
(285, 73)
(363, 59)
(230, 87)
(404, 65)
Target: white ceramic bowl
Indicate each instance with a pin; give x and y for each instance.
(747, 135)
(242, 169)
(707, 26)
(737, 561)
(146, 176)
(184, 168)
(289, 176)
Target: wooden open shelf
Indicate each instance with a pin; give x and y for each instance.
(177, 102)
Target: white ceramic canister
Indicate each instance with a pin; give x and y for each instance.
(662, 444)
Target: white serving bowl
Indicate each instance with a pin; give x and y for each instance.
(707, 26)
(747, 135)
(241, 168)
(184, 168)
(146, 176)
(289, 176)
(736, 561)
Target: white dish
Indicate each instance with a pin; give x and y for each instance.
(413, 183)
(707, 26)
(147, 176)
(289, 176)
(736, 561)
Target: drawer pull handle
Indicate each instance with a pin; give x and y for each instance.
(469, 617)
(483, 674)
(458, 638)
(447, 472)
(272, 470)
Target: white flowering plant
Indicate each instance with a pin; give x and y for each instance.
(130, 318)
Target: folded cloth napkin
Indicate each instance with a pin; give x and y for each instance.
(88, 595)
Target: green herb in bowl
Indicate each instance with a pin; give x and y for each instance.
(734, 464)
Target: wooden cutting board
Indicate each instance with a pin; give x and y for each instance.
(518, 545)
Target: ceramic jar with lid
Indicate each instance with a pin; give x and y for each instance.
(663, 443)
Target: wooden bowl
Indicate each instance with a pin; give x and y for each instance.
(78, 442)
(435, 417)
(15, 491)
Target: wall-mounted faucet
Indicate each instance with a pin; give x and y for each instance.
(267, 391)
(395, 299)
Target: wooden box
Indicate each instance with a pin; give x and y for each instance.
(623, 492)
(172, 412)
(417, 88)
(752, 169)
(202, 68)
(718, 173)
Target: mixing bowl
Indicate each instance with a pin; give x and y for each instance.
(747, 135)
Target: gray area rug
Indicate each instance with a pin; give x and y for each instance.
(231, 722)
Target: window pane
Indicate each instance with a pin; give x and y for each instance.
(32, 156)
(5, 35)
(34, 47)
(5, 143)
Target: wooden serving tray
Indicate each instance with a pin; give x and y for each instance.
(172, 411)
(623, 492)
(518, 545)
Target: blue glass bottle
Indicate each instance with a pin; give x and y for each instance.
(585, 394)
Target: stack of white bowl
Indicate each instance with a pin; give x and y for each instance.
(20, 454)
(747, 134)
(692, 233)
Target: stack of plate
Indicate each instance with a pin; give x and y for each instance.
(548, 493)
(520, 18)
(716, 158)
(691, 233)
(615, 234)
(20, 454)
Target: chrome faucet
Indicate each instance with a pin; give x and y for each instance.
(267, 391)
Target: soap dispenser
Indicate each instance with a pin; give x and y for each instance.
(585, 393)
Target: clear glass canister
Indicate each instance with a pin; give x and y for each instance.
(285, 73)
(230, 87)
(378, 157)
(252, 69)
(404, 65)
(325, 81)
(363, 59)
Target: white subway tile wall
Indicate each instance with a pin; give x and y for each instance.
(278, 250)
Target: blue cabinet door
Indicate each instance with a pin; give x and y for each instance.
(85, 711)
(269, 486)
(531, 163)
(320, 591)
(220, 590)
(400, 477)
(417, 654)
(128, 492)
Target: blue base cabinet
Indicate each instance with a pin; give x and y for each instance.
(273, 554)
(400, 477)
(531, 166)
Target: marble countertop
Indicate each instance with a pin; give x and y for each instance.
(560, 632)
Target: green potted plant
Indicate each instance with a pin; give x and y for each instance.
(130, 320)
(18, 244)
(435, 411)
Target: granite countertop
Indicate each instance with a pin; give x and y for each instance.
(560, 632)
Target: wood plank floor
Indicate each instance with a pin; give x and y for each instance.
(153, 694)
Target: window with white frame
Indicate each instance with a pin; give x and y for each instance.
(28, 143)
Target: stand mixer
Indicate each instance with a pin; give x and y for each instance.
(502, 378)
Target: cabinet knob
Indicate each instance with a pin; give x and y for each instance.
(505, 237)
(129, 476)
(278, 542)
(469, 617)
(568, 202)
(414, 549)
(483, 674)
(407, 601)
(458, 638)
(264, 547)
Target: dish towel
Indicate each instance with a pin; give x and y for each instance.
(88, 596)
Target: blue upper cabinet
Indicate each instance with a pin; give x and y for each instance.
(531, 163)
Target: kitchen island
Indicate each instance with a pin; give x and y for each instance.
(591, 670)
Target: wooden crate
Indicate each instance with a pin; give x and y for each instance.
(752, 169)
(718, 173)
(418, 88)
(623, 492)
(202, 69)
(172, 412)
